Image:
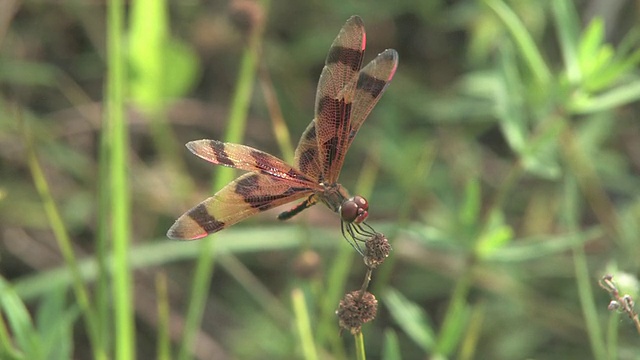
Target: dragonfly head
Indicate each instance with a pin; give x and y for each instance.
(354, 209)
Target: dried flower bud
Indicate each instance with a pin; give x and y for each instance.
(246, 15)
(377, 249)
(355, 310)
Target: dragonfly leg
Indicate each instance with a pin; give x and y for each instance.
(308, 202)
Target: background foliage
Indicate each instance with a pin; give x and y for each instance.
(502, 163)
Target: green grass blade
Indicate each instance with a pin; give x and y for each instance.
(64, 244)
(456, 317)
(303, 325)
(163, 345)
(571, 204)
(159, 251)
(524, 41)
(104, 314)
(391, 348)
(567, 26)
(278, 124)
(7, 348)
(612, 335)
(236, 126)
(55, 325)
(119, 185)
(21, 326)
(616, 97)
(411, 318)
(334, 290)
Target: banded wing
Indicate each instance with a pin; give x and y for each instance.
(246, 196)
(372, 81)
(247, 158)
(317, 151)
(307, 156)
(271, 183)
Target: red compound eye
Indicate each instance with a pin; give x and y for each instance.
(354, 210)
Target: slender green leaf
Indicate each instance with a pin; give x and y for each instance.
(411, 319)
(510, 101)
(391, 349)
(55, 325)
(567, 24)
(303, 325)
(21, 326)
(118, 138)
(527, 47)
(619, 96)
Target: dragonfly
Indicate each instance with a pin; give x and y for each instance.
(345, 96)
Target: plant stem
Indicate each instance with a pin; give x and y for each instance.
(119, 186)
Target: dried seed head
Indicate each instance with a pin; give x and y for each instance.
(355, 310)
(377, 249)
(246, 15)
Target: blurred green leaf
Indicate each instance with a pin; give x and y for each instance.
(618, 96)
(410, 318)
(391, 347)
(591, 46)
(55, 325)
(541, 247)
(510, 100)
(20, 323)
(162, 68)
(526, 46)
(567, 24)
(540, 155)
(39, 73)
(303, 324)
(470, 211)
(496, 236)
(183, 68)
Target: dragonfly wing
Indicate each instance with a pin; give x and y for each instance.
(248, 195)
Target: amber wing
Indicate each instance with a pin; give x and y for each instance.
(246, 196)
(372, 81)
(271, 183)
(317, 150)
(344, 99)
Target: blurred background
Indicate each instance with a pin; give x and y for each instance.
(502, 163)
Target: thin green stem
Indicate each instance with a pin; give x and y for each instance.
(198, 297)
(163, 346)
(236, 125)
(583, 280)
(119, 186)
(280, 129)
(612, 335)
(449, 333)
(588, 304)
(359, 341)
(469, 345)
(303, 324)
(102, 289)
(65, 246)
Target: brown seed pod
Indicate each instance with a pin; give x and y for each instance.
(355, 310)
